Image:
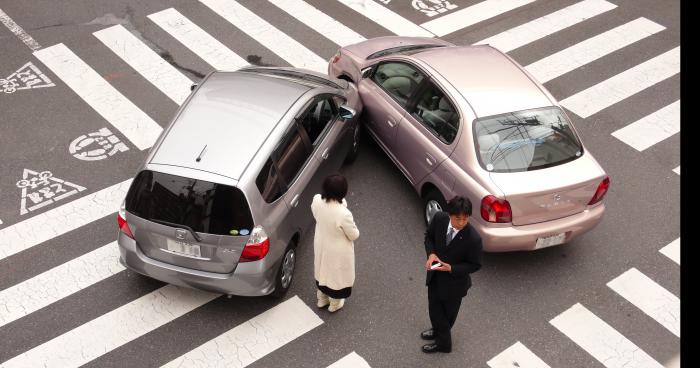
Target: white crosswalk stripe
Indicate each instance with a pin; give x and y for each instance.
(60, 220)
(146, 62)
(657, 302)
(319, 22)
(126, 117)
(197, 40)
(58, 283)
(600, 340)
(677, 170)
(113, 329)
(625, 84)
(267, 35)
(549, 24)
(673, 251)
(652, 128)
(351, 360)
(387, 18)
(518, 355)
(253, 339)
(591, 49)
(469, 16)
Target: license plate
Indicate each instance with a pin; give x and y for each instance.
(183, 248)
(549, 241)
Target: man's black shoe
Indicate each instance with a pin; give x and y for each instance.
(433, 348)
(427, 334)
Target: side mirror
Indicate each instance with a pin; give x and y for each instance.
(193, 86)
(366, 72)
(346, 112)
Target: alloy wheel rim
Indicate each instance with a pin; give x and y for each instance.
(431, 208)
(288, 268)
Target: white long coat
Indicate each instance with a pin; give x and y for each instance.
(334, 250)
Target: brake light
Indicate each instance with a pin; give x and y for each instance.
(335, 57)
(121, 220)
(257, 246)
(496, 210)
(600, 192)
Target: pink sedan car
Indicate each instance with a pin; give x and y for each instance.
(469, 120)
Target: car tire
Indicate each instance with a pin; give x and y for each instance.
(432, 203)
(355, 147)
(285, 272)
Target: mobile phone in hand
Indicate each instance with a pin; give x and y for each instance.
(435, 265)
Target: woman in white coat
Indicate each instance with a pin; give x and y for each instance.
(334, 253)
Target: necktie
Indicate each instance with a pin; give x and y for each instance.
(450, 235)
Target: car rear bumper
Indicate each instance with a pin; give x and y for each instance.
(514, 238)
(248, 279)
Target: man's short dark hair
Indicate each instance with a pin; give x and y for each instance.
(335, 187)
(459, 205)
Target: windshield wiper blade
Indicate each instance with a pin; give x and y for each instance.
(194, 235)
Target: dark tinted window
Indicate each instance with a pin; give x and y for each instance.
(398, 79)
(317, 117)
(404, 50)
(203, 206)
(291, 155)
(268, 183)
(437, 113)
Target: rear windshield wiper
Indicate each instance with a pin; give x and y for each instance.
(196, 237)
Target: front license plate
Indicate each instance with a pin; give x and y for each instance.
(183, 248)
(549, 241)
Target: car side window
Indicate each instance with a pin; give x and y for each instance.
(268, 182)
(400, 80)
(316, 118)
(435, 111)
(290, 155)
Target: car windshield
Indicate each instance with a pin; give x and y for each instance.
(200, 205)
(525, 140)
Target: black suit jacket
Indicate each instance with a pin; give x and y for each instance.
(463, 254)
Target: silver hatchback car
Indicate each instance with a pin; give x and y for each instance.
(223, 197)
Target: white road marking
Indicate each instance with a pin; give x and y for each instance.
(197, 40)
(600, 340)
(352, 360)
(319, 22)
(113, 329)
(126, 117)
(657, 302)
(652, 128)
(26, 77)
(677, 170)
(43, 189)
(267, 35)
(255, 338)
(625, 84)
(59, 282)
(18, 31)
(386, 18)
(673, 251)
(518, 355)
(593, 48)
(60, 220)
(96, 146)
(146, 62)
(469, 16)
(549, 24)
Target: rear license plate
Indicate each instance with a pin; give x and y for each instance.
(549, 241)
(183, 248)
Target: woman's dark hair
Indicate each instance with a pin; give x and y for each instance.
(459, 205)
(335, 187)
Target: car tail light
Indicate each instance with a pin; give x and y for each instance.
(600, 192)
(121, 220)
(335, 57)
(496, 210)
(257, 246)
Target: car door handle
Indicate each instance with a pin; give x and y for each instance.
(429, 159)
(295, 201)
(324, 155)
(391, 123)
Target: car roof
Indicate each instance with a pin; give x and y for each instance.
(490, 81)
(227, 120)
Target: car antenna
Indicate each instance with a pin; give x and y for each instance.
(199, 158)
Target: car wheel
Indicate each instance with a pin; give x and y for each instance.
(285, 273)
(355, 148)
(432, 204)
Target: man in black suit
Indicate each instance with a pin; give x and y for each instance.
(451, 242)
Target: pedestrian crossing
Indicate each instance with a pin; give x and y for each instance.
(265, 333)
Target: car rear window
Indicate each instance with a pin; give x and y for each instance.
(201, 205)
(403, 50)
(526, 140)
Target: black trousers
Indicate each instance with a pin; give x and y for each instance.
(443, 314)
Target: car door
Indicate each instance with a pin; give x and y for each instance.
(429, 132)
(385, 94)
